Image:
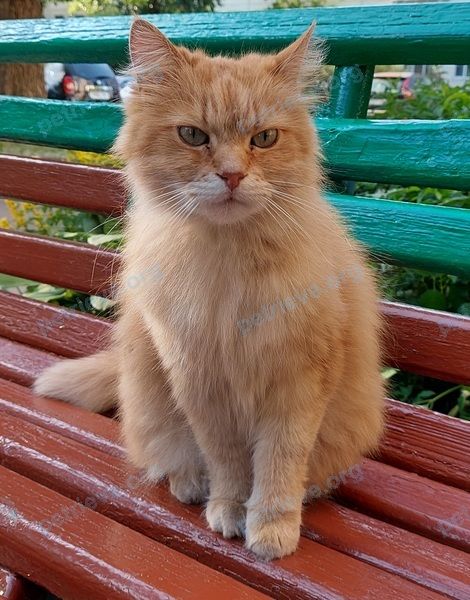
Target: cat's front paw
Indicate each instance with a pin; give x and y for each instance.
(226, 517)
(273, 538)
(189, 489)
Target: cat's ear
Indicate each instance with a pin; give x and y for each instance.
(150, 49)
(298, 62)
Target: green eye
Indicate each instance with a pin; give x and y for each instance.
(265, 139)
(193, 136)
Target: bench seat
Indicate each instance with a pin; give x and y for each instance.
(399, 526)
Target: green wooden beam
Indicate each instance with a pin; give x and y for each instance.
(434, 238)
(350, 91)
(404, 33)
(431, 153)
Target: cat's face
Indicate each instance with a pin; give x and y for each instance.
(217, 137)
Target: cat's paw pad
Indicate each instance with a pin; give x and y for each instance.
(189, 490)
(228, 518)
(274, 538)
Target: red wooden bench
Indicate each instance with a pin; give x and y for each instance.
(75, 519)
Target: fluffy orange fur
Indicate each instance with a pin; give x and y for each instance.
(248, 370)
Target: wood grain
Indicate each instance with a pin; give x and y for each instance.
(67, 332)
(21, 363)
(422, 341)
(396, 550)
(81, 267)
(93, 189)
(78, 553)
(410, 501)
(428, 443)
(310, 573)
(96, 431)
(12, 587)
(428, 342)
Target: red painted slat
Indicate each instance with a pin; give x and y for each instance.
(22, 364)
(424, 341)
(93, 189)
(77, 553)
(12, 587)
(427, 443)
(428, 342)
(66, 264)
(411, 501)
(70, 333)
(76, 423)
(416, 439)
(314, 571)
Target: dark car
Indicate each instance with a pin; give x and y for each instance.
(91, 82)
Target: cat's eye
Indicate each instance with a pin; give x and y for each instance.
(265, 139)
(193, 135)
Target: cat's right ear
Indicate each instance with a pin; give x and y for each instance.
(150, 50)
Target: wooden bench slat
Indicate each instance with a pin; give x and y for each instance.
(81, 267)
(96, 431)
(408, 34)
(13, 587)
(417, 235)
(441, 453)
(22, 364)
(78, 470)
(424, 442)
(424, 236)
(421, 505)
(94, 189)
(419, 340)
(70, 333)
(416, 503)
(362, 150)
(428, 342)
(433, 565)
(83, 551)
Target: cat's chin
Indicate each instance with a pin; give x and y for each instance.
(227, 212)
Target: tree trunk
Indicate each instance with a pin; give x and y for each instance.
(22, 79)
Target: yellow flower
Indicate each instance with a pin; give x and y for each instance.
(4, 223)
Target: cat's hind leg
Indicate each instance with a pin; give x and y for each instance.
(157, 436)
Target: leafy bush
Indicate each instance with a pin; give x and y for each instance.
(435, 99)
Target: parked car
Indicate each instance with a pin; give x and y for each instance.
(399, 82)
(125, 86)
(92, 82)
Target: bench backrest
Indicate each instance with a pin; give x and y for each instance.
(433, 153)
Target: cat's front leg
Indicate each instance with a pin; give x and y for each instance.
(286, 434)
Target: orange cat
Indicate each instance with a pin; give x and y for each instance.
(246, 355)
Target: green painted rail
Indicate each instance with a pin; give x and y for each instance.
(408, 152)
(404, 33)
(434, 238)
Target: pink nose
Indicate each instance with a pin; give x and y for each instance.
(232, 179)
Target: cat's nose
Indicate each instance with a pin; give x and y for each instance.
(232, 179)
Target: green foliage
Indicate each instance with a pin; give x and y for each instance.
(435, 99)
(297, 3)
(132, 7)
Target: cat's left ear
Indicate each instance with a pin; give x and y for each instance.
(296, 63)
